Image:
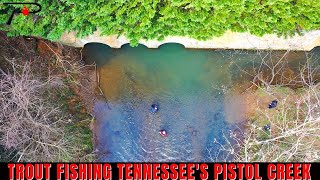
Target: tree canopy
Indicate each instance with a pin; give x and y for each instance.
(156, 19)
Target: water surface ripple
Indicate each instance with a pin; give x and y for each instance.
(188, 85)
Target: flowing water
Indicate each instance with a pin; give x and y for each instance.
(190, 87)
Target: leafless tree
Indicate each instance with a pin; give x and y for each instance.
(29, 122)
(295, 123)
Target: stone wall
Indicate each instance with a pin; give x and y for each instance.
(230, 40)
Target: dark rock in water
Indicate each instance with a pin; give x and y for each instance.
(267, 127)
(195, 132)
(117, 133)
(273, 104)
(154, 108)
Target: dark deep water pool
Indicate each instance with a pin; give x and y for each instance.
(191, 88)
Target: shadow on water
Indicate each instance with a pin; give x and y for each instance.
(171, 46)
(97, 53)
(191, 88)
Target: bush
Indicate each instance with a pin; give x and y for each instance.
(30, 124)
(295, 122)
(156, 19)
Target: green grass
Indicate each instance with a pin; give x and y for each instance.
(288, 119)
(79, 127)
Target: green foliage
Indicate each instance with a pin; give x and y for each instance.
(156, 19)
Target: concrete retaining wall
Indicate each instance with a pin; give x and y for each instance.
(229, 40)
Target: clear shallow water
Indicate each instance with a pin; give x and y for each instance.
(189, 85)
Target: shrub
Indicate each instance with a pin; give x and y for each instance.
(29, 123)
(156, 19)
(295, 122)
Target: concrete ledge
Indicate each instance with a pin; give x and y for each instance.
(230, 40)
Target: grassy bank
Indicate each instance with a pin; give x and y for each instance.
(43, 117)
(291, 130)
(295, 125)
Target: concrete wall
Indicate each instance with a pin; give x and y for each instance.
(229, 40)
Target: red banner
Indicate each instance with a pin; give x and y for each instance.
(106, 171)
